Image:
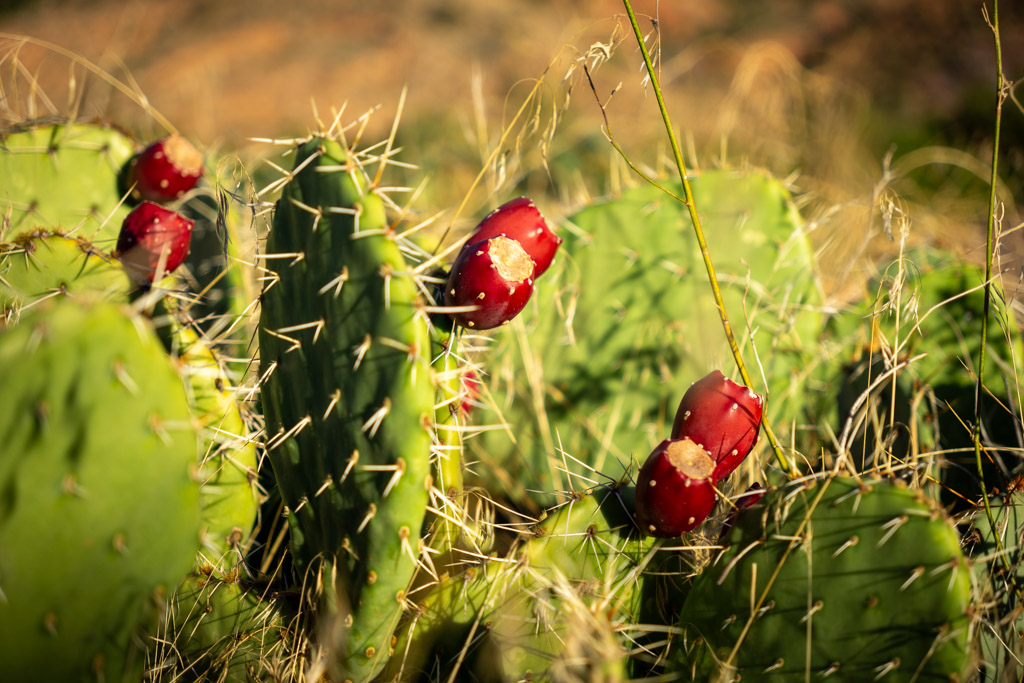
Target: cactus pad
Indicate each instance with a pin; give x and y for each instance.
(41, 263)
(863, 580)
(98, 505)
(625, 320)
(66, 176)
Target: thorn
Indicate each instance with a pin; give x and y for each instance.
(832, 668)
(399, 471)
(893, 526)
(370, 513)
(373, 423)
(125, 379)
(360, 351)
(887, 668)
(323, 487)
(768, 606)
(337, 283)
(318, 325)
(733, 561)
(353, 459)
(850, 542)
(815, 608)
(281, 437)
(335, 397)
(914, 576)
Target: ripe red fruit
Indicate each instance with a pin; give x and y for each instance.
(153, 239)
(471, 386)
(723, 417)
(520, 220)
(675, 491)
(744, 501)
(166, 169)
(495, 277)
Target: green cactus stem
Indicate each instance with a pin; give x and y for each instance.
(348, 393)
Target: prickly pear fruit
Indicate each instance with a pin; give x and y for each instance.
(746, 500)
(153, 239)
(492, 280)
(520, 220)
(471, 388)
(166, 169)
(723, 417)
(675, 491)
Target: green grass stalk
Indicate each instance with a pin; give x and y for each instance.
(1001, 90)
(695, 220)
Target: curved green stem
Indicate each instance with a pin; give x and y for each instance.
(695, 219)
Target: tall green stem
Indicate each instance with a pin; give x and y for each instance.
(980, 391)
(695, 220)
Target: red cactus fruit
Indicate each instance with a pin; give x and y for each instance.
(519, 219)
(675, 491)
(471, 386)
(166, 169)
(495, 276)
(153, 239)
(744, 501)
(723, 417)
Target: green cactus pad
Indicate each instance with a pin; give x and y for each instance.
(625, 321)
(98, 504)
(64, 175)
(221, 630)
(998, 555)
(41, 264)
(349, 393)
(215, 270)
(551, 609)
(935, 317)
(860, 580)
(580, 578)
(228, 493)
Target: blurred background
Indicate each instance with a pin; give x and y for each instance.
(866, 106)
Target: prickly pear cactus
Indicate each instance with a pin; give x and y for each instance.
(42, 263)
(627, 320)
(215, 269)
(864, 580)
(998, 566)
(228, 465)
(99, 506)
(64, 175)
(348, 394)
(554, 608)
(925, 311)
(224, 629)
